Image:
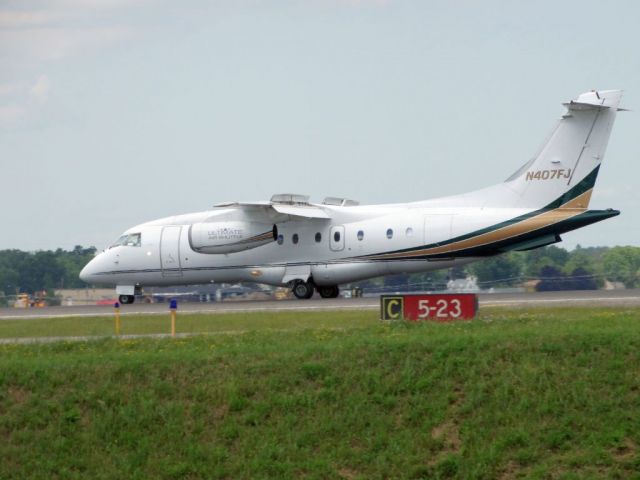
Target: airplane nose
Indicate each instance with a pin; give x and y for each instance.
(87, 273)
(84, 274)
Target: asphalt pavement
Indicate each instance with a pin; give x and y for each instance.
(625, 298)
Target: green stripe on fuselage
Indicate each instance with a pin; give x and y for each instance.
(581, 187)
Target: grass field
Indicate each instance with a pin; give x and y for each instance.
(545, 393)
(186, 323)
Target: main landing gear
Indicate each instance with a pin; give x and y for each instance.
(304, 290)
(126, 299)
(329, 292)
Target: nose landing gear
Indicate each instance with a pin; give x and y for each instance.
(126, 299)
(126, 293)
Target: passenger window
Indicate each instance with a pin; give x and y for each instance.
(389, 233)
(318, 237)
(295, 239)
(280, 239)
(409, 232)
(336, 237)
(360, 235)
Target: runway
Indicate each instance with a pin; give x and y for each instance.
(619, 298)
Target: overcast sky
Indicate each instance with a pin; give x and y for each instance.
(117, 112)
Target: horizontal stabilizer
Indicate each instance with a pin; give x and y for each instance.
(534, 243)
(584, 106)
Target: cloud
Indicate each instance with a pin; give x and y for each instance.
(12, 19)
(360, 3)
(23, 100)
(36, 33)
(35, 13)
(40, 91)
(46, 30)
(99, 4)
(11, 114)
(34, 45)
(61, 12)
(8, 88)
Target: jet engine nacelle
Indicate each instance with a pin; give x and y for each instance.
(230, 237)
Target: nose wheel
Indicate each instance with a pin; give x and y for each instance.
(303, 290)
(126, 299)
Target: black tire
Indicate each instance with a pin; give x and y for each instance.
(329, 292)
(127, 299)
(303, 290)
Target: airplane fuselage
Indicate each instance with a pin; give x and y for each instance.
(332, 252)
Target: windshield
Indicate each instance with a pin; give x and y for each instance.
(129, 240)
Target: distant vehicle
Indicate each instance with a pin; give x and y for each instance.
(106, 301)
(22, 301)
(316, 247)
(37, 300)
(281, 294)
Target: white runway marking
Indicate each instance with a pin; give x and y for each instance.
(489, 303)
(199, 311)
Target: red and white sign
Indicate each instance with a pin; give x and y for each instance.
(438, 306)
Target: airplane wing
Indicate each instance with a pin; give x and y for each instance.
(310, 211)
(276, 209)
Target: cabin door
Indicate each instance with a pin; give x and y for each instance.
(170, 251)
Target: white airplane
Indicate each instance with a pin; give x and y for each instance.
(309, 246)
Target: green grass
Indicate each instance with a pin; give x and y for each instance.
(535, 394)
(185, 323)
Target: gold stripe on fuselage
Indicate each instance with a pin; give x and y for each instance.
(570, 209)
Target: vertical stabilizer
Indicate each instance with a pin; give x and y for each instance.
(564, 171)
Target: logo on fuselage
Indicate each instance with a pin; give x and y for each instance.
(226, 233)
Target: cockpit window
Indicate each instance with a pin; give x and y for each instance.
(130, 240)
(133, 240)
(120, 241)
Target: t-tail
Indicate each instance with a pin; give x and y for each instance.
(556, 185)
(550, 194)
(563, 173)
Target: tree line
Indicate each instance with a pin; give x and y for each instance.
(29, 272)
(554, 267)
(548, 268)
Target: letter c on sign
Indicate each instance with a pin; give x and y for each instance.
(390, 312)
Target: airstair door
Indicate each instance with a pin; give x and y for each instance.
(437, 231)
(170, 251)
(296, 272)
